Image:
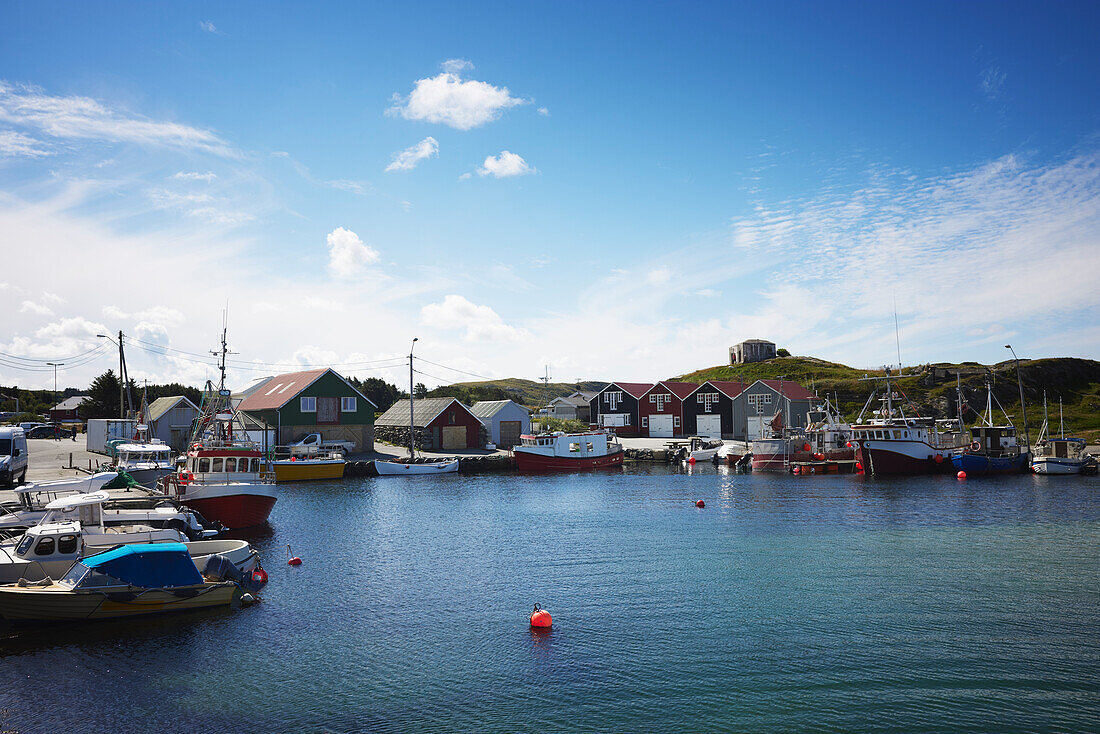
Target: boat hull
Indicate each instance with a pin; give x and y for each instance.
(234, 511)
(306, 470)
(979, 464)
(396, 468)
(54, 603)
(770, 459)
(1054, 465)
(531, 462)
(902, 458)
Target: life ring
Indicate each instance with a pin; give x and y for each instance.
(974, 446)
(186, 478)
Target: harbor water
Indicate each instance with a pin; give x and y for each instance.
(836, 603)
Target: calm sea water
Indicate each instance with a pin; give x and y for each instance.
(833, 603)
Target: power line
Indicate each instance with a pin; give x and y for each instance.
(464, 372)
(51, 359)
(251, 363)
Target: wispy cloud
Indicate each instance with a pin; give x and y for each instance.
(16, 144)
(448, 99)
(992, 81)
(408, 159)
(209, 27)
(83, 118)
(504, 165)
(194, 176)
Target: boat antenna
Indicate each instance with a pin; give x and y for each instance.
(412, 422)
(897, 332)
(1023, 404)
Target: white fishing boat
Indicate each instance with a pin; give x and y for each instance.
(561, 452)
(397, 467)
(702, 448)
(1062, 455)
(145, 459)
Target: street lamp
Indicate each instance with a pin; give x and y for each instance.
(412, 423)
(1023, 405)
(55, 365)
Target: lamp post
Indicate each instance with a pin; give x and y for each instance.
(1023, 405)
(412, 423)
(55, 365)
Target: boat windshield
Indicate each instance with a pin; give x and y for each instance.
(82, 577)
(24, 544)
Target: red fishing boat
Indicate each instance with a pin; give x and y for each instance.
(561, 452)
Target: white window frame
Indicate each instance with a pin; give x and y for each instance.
(347, 405)
(676, 421)
(645, 421)
(662, 399)
(307, 404)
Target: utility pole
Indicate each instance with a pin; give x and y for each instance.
(55, 365)
(1023, 405)
(412, 422)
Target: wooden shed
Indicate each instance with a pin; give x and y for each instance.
(662, 409)
(505, 420)
(171, 419)
(616, 406)
(442, 424)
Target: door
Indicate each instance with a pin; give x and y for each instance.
(509, 433)
(454, 437)
(758, 427)
(328, 410)
(660, 426)
(709, 425)
(613, 419)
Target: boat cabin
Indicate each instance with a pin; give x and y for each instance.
(52, 542)
(224, 465)
(995, 440)
(1063, 448)
(142, 455)
(891, 432)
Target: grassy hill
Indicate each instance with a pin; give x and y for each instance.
(531, 393)
(932, 387)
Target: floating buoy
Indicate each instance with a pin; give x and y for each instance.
(859, 466)
(541, 618)
(259, 575)
(293, 458)
(819, 457)
(292, 560)
(700, 504)
(796, 470)
(691, 459)
(939, 459)
(961, 475)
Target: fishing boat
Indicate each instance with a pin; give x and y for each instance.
(995, 449)
(563, 452)
(125, 581)
(1062, 455)
(144, 459)
(825, 438)
(890, 442)
(320, 465)
(222, 476)
(397, 467)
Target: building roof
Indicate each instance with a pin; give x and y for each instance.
(730, 389)
(679, 389)
(637, 389)
(425, 410)
(489, 408)
(578, 399)
(281, 389)
(71, 403)
(160, 406)
(756, 341)
(791, 390)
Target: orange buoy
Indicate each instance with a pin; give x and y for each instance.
(541, 618)
(805, 447)
(700, 504)
(961, 475)
(292, 560)
(859, 466)
(691, 459)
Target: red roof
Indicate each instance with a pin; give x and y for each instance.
(679, 389)
(280, 390)
(791, 390)
(727, 388)
(637, 389)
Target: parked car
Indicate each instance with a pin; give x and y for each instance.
(50, 431)
(28, 426)
(13, 456)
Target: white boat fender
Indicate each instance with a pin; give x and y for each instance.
(248, 600)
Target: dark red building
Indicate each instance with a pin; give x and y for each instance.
(662, 409)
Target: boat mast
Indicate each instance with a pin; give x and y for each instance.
(1061, 418)
(412, 422)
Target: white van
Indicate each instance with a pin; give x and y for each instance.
(13, 456)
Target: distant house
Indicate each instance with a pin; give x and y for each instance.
(442, 424)
(171, 420)
(752, 350)
(67, 409)
(505, 421)
(312, 401)
(571, 407)
(662, 409)
(616, 406)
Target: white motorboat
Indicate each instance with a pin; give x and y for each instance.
(560, 451)
(1063, 455)
(145, 459)
(703, 449)
(396, 467)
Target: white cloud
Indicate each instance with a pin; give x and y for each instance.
(83, 118)
(992, 81)
(504, 165)
(202, 206)
(348, 255)
(154, 314)
(465, 177)
(706, 292)
(544, 111)
(449, 100)
(209, 27)
(194, 176)
(407, 159)
(14, 143)
(454, 66)
(481, 323)
(40, 309)
(659, 276)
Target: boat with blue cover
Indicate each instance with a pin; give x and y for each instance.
(995, 449)
(124, 581)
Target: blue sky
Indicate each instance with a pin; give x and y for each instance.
(617, 190)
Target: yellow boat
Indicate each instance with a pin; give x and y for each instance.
(305, 469)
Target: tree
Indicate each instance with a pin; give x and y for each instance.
(420, 391)
(782, 353)
(378, 391)
(102, 397)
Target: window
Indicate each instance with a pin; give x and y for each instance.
(44, 547)
(653, 398)
(309, 405)
(707, 399)
(768, 399)
(204, 466)
(347, 405)
(590, 447)
(66, 544)
(242, 464)
(676, 421)
(217, 465)
(645, 422)
(612, 399)
(255, 466)
(231, 464)
(661, 400)
(574, 447)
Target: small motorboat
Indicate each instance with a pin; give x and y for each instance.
(397, 467)
(703, 449)
(99, 508)
(125, 581)
(562, 452)
(309, 468)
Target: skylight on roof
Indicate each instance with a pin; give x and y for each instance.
(273, 389)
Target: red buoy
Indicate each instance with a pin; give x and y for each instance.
(796, 470)
(961, 475)
(259, 575)
(700, 504)
(939, 458)
(541, 618)
(805, 447)
(849, 444)
(292, 561)
(691, 460)
(859, 466)
(819, 457)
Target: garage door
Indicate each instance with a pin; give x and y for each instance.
(454, 437)
(509, 433)
(758, 427)
(709, 425)
(613, 419)
(660, 426)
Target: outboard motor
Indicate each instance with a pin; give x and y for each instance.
(220, 568)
